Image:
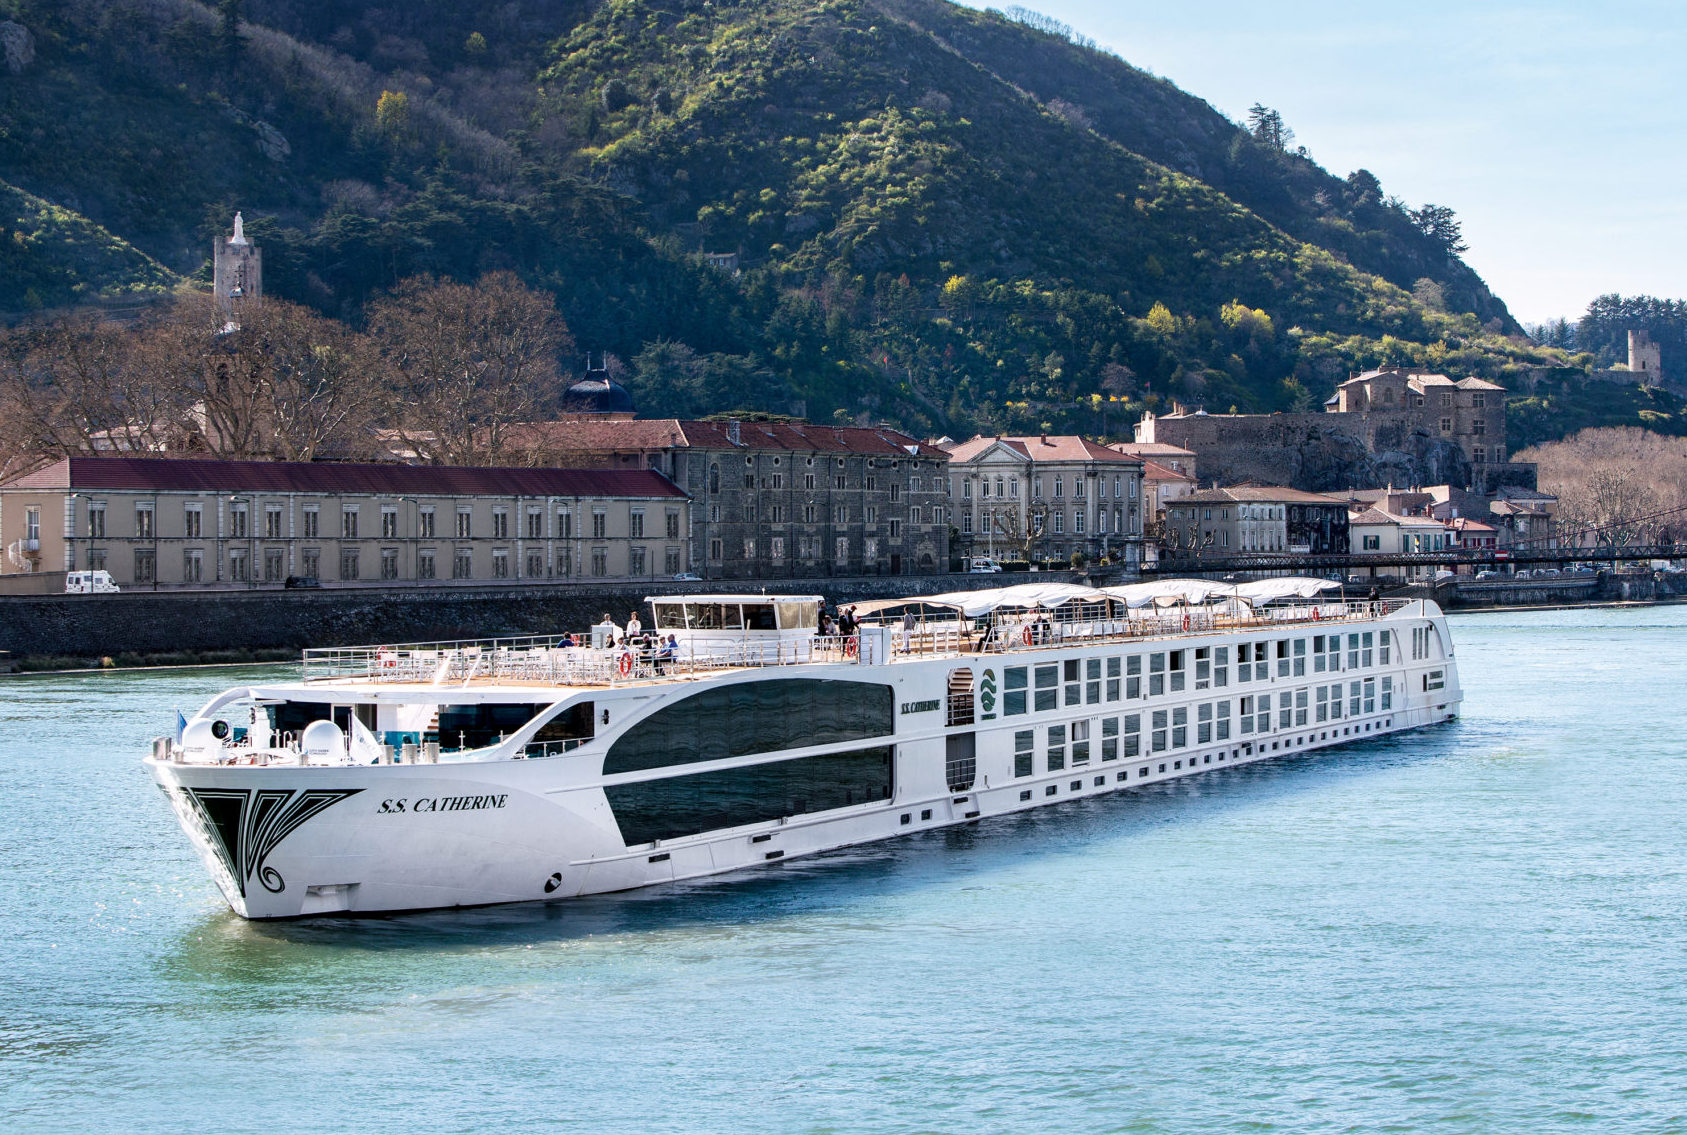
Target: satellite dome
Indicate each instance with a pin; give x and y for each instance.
(599, 395)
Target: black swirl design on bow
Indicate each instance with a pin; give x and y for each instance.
(245, 825)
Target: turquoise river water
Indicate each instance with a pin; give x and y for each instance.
(1476, 928)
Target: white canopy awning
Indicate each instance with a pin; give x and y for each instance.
(972, 604)
(1288, 587)
(1162, 592)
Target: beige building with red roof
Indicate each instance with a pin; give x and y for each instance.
(774, 499)
(157, 522)
(1046, 497)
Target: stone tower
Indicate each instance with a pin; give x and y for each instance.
(1645, 357)
(237, 272)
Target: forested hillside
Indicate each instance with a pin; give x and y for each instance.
(939, 217)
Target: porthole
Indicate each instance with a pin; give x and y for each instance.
(1100, 780)
(1026, 795)
(1051, 790)
(1121, 777)
(1077, 786)
(907, 817)
(925, 813)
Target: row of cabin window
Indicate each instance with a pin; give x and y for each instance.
(1089, 681)
(1169, 728)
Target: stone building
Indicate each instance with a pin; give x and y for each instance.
(1247, 519)
(1385, 426)
(156, 522)
(1645, 358)
(779, 499)
(1047, 497)
(1381, 532)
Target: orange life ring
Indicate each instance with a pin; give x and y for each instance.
(626, 663)
(851, 645)
(1186, 620)
(1315, 613)
(1025, 635)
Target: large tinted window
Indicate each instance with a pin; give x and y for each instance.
(678, 806)
(475, 726)
(754, 717)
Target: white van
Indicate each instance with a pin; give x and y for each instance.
(89, 583)
(982, 564)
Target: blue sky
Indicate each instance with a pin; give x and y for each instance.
(1557, 131)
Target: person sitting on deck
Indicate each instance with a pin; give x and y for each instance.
(666, 652)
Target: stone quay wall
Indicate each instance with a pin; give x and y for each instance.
(165, 622)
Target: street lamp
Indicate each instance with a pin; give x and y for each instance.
(251, 547)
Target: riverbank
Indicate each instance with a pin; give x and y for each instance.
(134, 630)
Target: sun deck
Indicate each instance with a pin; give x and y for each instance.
(932, 631)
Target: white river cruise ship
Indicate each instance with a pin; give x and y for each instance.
(460, 774)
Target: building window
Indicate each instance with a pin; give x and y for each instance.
(673, 524)
(635, 559)
(895, 528)
(193, 565)
(600, 561)
(750, 548)
(1059, 521)
(1058, 486)
(237, 527)
(239, 566)
(870, 548)
(564, 562)
(1478, 400)
(272, 522)
(535, 526)
(462, 566)
(310, 562)
(275, 565)
(348, 527)
(776, 547)
(600, 524)
(1078, 523)
(500, 524)
(843, 549)
(96, 524)
(389, 524)
(312, 523)
(564, 525)
(389, 563)
(635, 525)
(715, 550)
(465, 524)
(1479, 426)
(193, 522)
(1372, 543)
(535, 565)
(348, 562)
(500, 563)
(424, 523)
(1446, 425)
(143, 525)
(146, 563)
(670, 561)
(424, 564)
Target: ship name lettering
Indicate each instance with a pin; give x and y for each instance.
(442, 804)
(920, 706)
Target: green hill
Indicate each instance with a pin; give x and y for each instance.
(938, 216)
(50, 258)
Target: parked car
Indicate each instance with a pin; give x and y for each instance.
(687, 577)
(1548, 573)
(1444, 575)
(980, 565)
(90, 583)
(294, 582)
(1487, 574)
(1524, 574)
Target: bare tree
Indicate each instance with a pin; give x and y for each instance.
(1614, 486)
(463, 363)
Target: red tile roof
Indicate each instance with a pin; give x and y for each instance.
(671, 433)
(146, 474)
(1047, 447)
(1269, 494)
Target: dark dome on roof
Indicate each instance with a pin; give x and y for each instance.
(597, 396)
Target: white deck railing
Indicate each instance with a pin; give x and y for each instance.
(543, 660)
